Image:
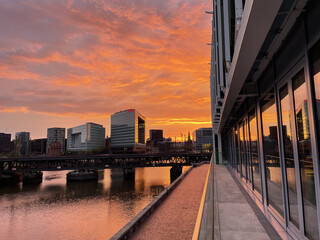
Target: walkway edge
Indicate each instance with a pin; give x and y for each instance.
(134, 223)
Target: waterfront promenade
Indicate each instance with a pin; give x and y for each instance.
(175, 218)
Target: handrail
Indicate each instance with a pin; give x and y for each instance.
(197, 227)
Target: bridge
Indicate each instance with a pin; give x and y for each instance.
(102, 161)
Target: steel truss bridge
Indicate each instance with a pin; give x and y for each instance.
(103, 161)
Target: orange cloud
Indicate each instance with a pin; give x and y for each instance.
(89, 59)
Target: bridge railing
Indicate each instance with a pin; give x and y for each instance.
(204, 224)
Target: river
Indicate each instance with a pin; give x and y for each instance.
(56, 209)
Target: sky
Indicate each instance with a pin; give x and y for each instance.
(67, 62)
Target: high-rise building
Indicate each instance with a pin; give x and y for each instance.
(265, 86)
(5, 143)
(55, 135)
(89, 136)
(21, 143)
(204, 139)
(127, 131)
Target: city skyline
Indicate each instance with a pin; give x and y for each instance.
(64, 64)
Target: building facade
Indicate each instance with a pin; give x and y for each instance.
(265, 93)
(204, 139)
(5, 143)
(55, 135)
(127, 131)
(156, 135)
(86, 137)
(21, 143)
(38, 146)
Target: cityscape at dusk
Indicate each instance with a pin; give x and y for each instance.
(160, 119)
(64, 63)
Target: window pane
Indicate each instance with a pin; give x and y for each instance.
(271, 152)
(247, 153)
(315, 59)
(288, 154)
(305, 155)
(237, 149)
(242, 153)
(254, 154)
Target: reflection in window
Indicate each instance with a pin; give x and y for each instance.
(271, 152)
(247, 150)
(305, 155)
(288, 154)
(237, 150)
(242, 152)
(256, 178)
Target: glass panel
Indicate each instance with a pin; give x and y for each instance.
(254, 153)
(242, 153)
(305, 155)
(247, 153)
(271, 152)
(237, 150)
(288, 154)
(315, 59)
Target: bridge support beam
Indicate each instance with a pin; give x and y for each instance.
(129, 173)
(175, 172)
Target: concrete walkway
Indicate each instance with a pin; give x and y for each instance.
(175, 218)
(237, 218)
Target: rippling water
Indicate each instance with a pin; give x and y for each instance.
(56, 209)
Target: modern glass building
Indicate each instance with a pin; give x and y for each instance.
(265, 94)
(127, 131)
(21, 143)
(204, 139)
(86, 137)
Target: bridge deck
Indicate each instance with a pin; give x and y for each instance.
(175, 218)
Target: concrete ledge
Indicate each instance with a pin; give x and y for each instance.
(141, 217)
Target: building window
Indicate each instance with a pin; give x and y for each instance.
(242, 152)
(256, 176)
(289, 155)
(271, 153)
(305, 154)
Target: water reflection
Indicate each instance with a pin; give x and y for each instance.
(56, 209)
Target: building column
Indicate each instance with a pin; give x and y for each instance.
(220, 149)
(214, 148)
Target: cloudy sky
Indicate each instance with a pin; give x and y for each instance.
(64, 63)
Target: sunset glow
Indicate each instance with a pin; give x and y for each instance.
(64, 63)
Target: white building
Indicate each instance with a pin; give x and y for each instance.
(56, 135)
(86, 137)
(127, 131)
(265, 90)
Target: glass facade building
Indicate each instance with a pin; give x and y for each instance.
(21, 143)
(127, 131)
(265, 91)
(204, 139)
(86, 137)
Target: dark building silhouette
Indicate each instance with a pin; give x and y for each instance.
(5, 143)
(38, 146)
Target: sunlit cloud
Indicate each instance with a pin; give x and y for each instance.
(88, 59)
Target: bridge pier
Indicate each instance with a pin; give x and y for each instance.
(32, 177)
(175, 172)
(129, 173)
(10, 178)
(82, 175)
